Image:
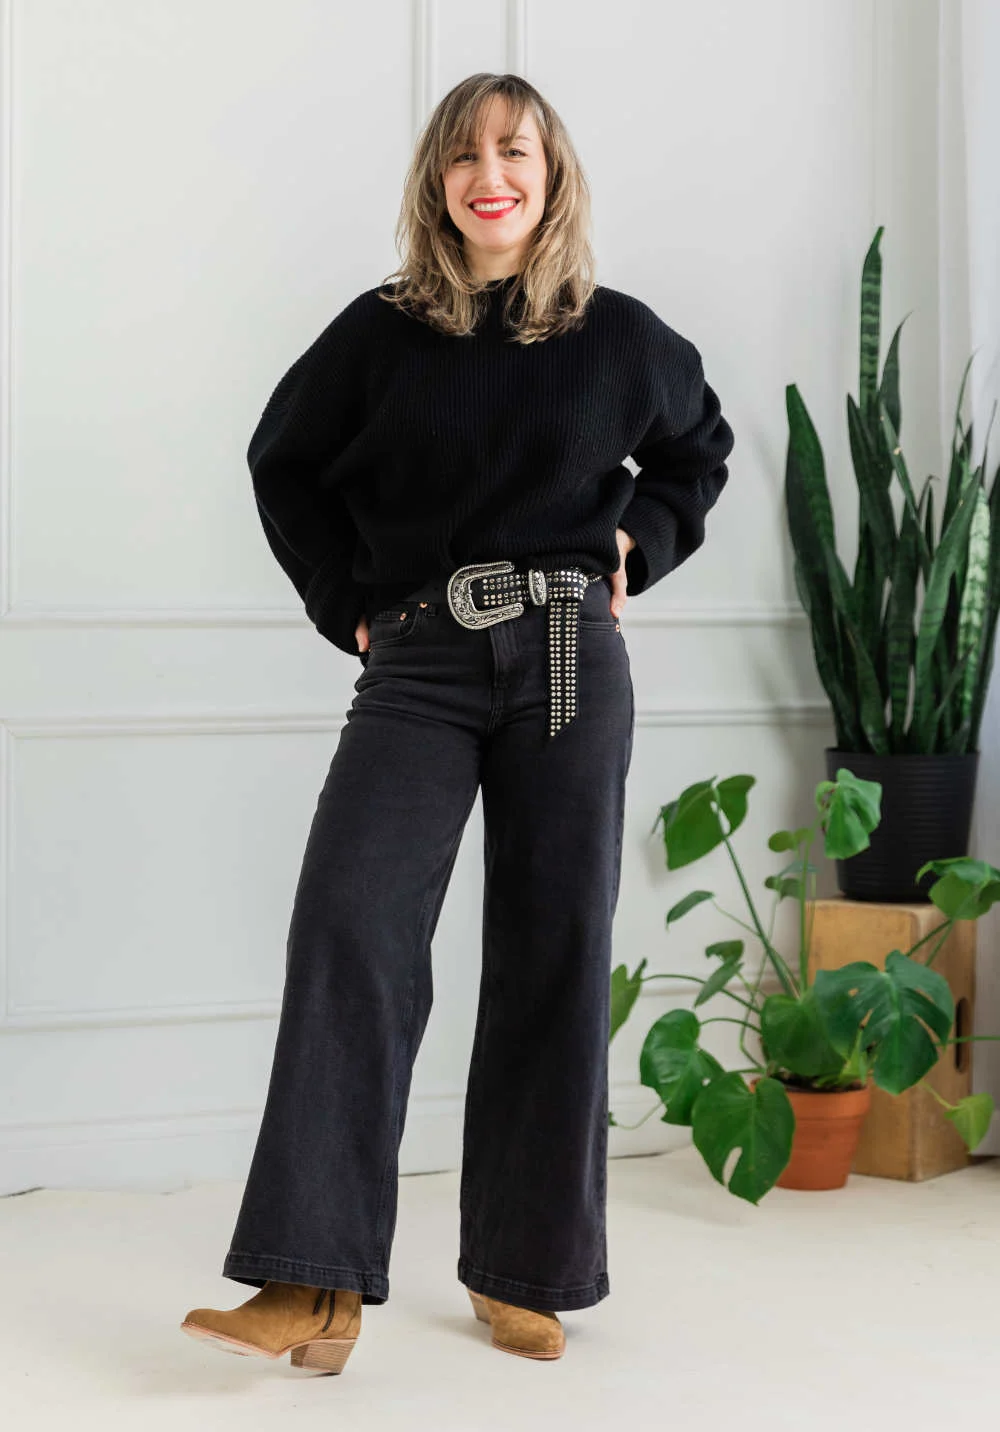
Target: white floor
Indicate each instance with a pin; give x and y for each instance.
(876, 1305)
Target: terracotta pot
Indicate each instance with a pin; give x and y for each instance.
(827, 1129)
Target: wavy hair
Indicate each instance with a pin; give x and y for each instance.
(433, 281)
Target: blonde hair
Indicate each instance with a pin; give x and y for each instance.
(433, 281)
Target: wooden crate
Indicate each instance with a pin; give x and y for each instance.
(906, 1135)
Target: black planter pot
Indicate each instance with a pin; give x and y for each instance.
(926, 815)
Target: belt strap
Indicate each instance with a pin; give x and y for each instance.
(561, 591)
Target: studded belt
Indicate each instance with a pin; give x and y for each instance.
(503, 593)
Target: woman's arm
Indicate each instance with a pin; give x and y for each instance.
(682, 470)
(313, 413)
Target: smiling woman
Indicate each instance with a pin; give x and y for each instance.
(442, 476)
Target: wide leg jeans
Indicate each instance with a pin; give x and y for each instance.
(440, 713)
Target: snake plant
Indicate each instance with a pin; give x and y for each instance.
(905, 650)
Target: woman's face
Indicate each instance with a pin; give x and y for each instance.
(505, 167)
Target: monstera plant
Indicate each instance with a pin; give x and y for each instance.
(839, 1032)
(904, 649)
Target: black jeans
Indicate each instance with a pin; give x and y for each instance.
(441, 712)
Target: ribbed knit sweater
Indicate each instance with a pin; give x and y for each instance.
(391, 453)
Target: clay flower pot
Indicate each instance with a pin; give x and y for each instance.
(827, 1129)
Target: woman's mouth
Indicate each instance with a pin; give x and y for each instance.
(494, 208)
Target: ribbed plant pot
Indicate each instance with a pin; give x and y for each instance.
(827, 1129)
(926, 815)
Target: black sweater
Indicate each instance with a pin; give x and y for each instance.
(390, 453)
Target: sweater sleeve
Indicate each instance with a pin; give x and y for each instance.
(313, 413)
(682, 470)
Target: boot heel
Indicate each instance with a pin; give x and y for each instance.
(482, 1312)
(328, 1354)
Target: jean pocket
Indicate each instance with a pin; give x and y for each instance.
(395, 624)
(607, 622)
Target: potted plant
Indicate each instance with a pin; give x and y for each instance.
(823, 1043)
(905, 650)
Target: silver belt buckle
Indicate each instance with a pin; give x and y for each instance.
(460, 602)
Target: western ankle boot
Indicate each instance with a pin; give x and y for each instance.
(524, 1331)
(318, 1326)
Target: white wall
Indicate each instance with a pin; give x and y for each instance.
(193, 189)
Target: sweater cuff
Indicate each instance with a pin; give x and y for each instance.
(654, 528)
(335, 604)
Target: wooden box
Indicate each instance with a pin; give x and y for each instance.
(906, 1135)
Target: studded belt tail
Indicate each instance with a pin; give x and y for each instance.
(504, 593)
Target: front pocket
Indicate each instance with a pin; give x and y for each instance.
(394, 624)
(608, 623)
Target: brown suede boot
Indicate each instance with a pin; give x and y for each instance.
(524, 1331)
(319, 1326)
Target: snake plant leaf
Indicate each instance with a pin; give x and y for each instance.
(811, 527)
(876, 527)
(672, 1064)
(961, 451)
(625, 990)
(696, 897)
(903, 477)
(985, 663)
(889, 389)
(870, 700)
(947, 685)
(805, 470)
(728, 1115)
(972, 1117)
(871, 309)
(900, 1004)
(899, 621)
(972, 613)
(958, 474)
(965, 888)
(953, 539)
(930, 534)
(822, 630)
(876, 504)
(794, 1037)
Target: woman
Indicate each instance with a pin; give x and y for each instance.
(441, 476)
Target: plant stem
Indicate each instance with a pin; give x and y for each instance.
(698, 980)
(965, 1039)
(783, 972)
(946, 927)
(652, 1111)
(804, 850)
(728, 1019)
(735, 918)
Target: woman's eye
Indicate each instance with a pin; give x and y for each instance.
(469, 154)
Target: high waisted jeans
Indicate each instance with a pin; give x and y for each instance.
(442, 711)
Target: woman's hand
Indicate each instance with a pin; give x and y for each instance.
(361, 634)
(618, 580)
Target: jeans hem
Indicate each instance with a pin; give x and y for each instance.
(532, 1295)
(255, 1269)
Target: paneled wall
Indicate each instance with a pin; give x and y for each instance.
(190, 192)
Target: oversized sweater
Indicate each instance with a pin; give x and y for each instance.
(390, 453)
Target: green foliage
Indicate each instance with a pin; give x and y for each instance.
(836, 1032)
(904, 649)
